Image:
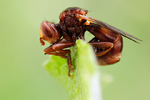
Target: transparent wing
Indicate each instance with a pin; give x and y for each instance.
(131, 37)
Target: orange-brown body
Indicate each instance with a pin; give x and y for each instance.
(107, 42)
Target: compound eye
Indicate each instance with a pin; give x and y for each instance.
(46, 30)
(49, 32)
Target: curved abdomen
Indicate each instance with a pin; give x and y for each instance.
(107, 35)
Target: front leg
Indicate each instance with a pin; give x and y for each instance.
(57, 49)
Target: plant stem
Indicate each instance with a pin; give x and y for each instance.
(85, 81)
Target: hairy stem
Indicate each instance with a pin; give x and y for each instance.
(85, 81)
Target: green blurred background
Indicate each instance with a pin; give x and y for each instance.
(22, 76)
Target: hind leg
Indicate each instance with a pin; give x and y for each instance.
(107, 52)
(100, 48)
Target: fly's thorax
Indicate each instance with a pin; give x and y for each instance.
(70, 23)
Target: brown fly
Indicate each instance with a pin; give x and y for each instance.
(107, 42)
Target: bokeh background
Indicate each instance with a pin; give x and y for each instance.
(22, 75)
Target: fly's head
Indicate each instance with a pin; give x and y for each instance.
(49, 32)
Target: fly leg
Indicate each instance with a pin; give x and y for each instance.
(57, 49)
(101, 48)
(107, 52)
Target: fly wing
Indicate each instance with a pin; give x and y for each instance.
(103, 24)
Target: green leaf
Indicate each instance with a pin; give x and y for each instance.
(84, 84)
